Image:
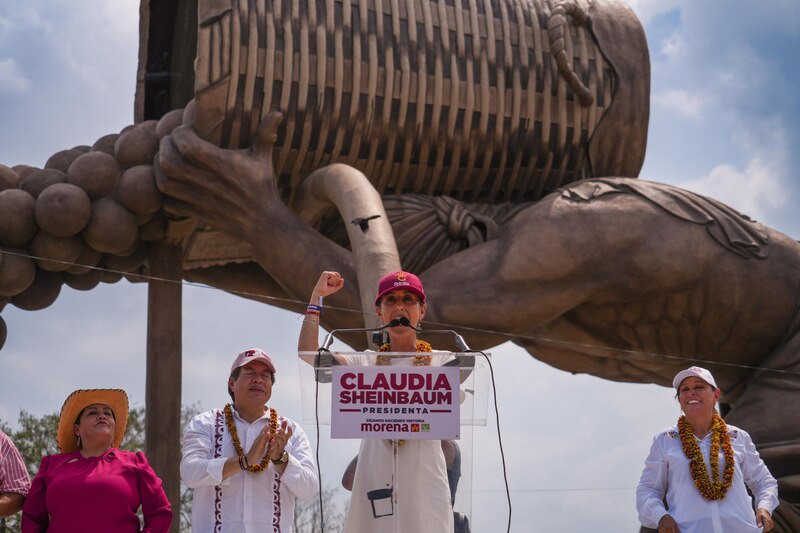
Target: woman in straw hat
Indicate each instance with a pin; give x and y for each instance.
(414, 471)
(703, 467)
(93, 486)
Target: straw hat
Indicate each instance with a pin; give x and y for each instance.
(116, 399)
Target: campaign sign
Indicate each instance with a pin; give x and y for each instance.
(385, 402)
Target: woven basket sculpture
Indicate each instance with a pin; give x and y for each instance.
(482, 100)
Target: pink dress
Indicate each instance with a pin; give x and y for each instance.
(75, 494)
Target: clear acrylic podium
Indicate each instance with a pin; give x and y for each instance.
(397, 411)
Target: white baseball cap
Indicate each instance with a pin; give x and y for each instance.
(697, 372)
(254, 354)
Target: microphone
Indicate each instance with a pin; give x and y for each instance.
(326, 344)
(323, 376)
(403, 321)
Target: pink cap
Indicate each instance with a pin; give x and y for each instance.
(697, 372)
(399, 281)
(248, 356)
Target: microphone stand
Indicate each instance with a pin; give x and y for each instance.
(467, 363)
(326, 344)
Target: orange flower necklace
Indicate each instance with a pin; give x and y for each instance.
(417, 360)
(273, 428)
(714, 489)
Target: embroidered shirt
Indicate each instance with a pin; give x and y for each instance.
(247, 502)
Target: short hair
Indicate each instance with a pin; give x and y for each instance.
(235, 375)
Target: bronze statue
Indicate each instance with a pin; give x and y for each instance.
(492, 127)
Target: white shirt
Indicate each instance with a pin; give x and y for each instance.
(250, 502)
(666, 472)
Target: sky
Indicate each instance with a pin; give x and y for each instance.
(724, 122)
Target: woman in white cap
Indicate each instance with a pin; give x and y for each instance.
(93, 486)
(701, 467)
(397, 483)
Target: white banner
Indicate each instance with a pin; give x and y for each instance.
(385, 402)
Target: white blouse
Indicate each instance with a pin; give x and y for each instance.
(666, 473)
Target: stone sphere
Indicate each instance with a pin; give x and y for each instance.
(16, 273)
(111, 228)
(106, 144)
(149, 126)
(94, 172)
(138, 192)
(169, 122)
(42, 293)
(23, 171)
(83, 282)
(63, 209)
(63, 159)
(110, 277)
(130, 262)
(137, 146)
(9, 179)
(3, 332)
(41, 178)
(55, 254)
(18, 221)
(89, 258)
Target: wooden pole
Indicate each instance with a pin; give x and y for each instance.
(163, 385)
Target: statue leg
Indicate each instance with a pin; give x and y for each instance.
(775, 429)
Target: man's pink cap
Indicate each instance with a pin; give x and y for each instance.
(399, 281)
(248, 356)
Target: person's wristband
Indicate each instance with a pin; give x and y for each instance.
(314, 309)
(241, 463)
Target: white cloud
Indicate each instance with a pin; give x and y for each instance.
(754, 191)
(647, 10)
(688, 105)
(674, 47)
(760, 187)
(12, 78)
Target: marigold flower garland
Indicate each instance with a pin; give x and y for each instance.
(417, 360)
(714, 489)
(273, 428)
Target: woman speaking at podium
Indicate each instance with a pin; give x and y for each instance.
(413, 493)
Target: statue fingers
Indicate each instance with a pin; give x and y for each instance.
(177, 177)
(171, 165)
(266, 135)
(202, 153)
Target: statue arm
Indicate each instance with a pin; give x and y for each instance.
(235, 191)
